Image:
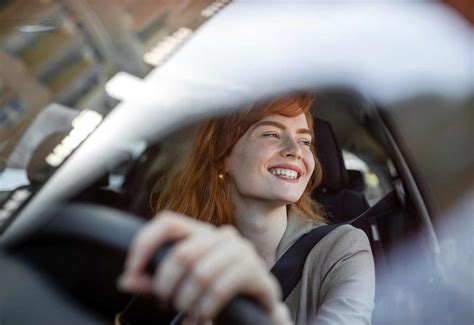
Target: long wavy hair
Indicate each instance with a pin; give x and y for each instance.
(196, 189)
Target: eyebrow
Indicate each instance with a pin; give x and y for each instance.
(280, 126)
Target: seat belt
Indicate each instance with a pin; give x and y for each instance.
(289, 267)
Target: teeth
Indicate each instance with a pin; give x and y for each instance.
(287, 173)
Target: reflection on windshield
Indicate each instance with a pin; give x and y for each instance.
(56, 57)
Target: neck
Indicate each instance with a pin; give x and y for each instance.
(263, 225)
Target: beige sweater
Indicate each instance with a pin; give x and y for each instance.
(338, 281)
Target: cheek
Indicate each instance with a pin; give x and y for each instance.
(240, 163)
(249, 158)
(310, 163)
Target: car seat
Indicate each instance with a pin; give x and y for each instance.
(340, 192)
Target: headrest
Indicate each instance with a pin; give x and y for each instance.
(330, 156)
(355, 180)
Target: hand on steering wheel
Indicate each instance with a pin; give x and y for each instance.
(203, 271)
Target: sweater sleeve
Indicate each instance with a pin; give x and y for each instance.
(348, 280)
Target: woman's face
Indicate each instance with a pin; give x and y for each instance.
(272, 161)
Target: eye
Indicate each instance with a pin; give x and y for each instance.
(272, 135)
(305, 142)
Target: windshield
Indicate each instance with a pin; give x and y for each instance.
(57, 57)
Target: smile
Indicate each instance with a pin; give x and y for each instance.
(285, 173)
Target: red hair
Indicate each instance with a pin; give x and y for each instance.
(197, 191)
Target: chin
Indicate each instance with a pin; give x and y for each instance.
(288, 199)
(278, 198)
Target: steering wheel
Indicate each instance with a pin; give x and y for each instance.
(99, 226)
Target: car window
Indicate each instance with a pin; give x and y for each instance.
(57, 57)
(361, 172)
(443, 161)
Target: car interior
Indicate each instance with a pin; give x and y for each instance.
(344, 122)
(64, 57)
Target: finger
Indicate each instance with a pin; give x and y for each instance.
(189, 320)
(194, 320)
(233, 281)
(136, 284)
(164, 227)
(203, 274)
(181, 260)
(218, 295)
(281, 314)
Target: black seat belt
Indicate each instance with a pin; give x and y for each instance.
(289, 267)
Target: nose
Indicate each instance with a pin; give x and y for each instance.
(292, 149)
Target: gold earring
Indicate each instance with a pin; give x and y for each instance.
(221, 176)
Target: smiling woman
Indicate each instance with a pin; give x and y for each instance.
(251, 174)
(203, 181)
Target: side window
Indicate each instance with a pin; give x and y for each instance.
(363, 177)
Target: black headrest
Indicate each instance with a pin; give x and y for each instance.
(329, 154)
(355, 180)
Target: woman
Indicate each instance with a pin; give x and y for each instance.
(239, 202)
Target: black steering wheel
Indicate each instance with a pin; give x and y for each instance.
(105, 234)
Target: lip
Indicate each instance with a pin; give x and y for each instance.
(291, 167)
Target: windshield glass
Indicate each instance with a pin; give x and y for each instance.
(57, 57)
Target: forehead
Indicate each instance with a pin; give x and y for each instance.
(296, 122)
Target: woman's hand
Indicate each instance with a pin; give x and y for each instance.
(203, 271)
